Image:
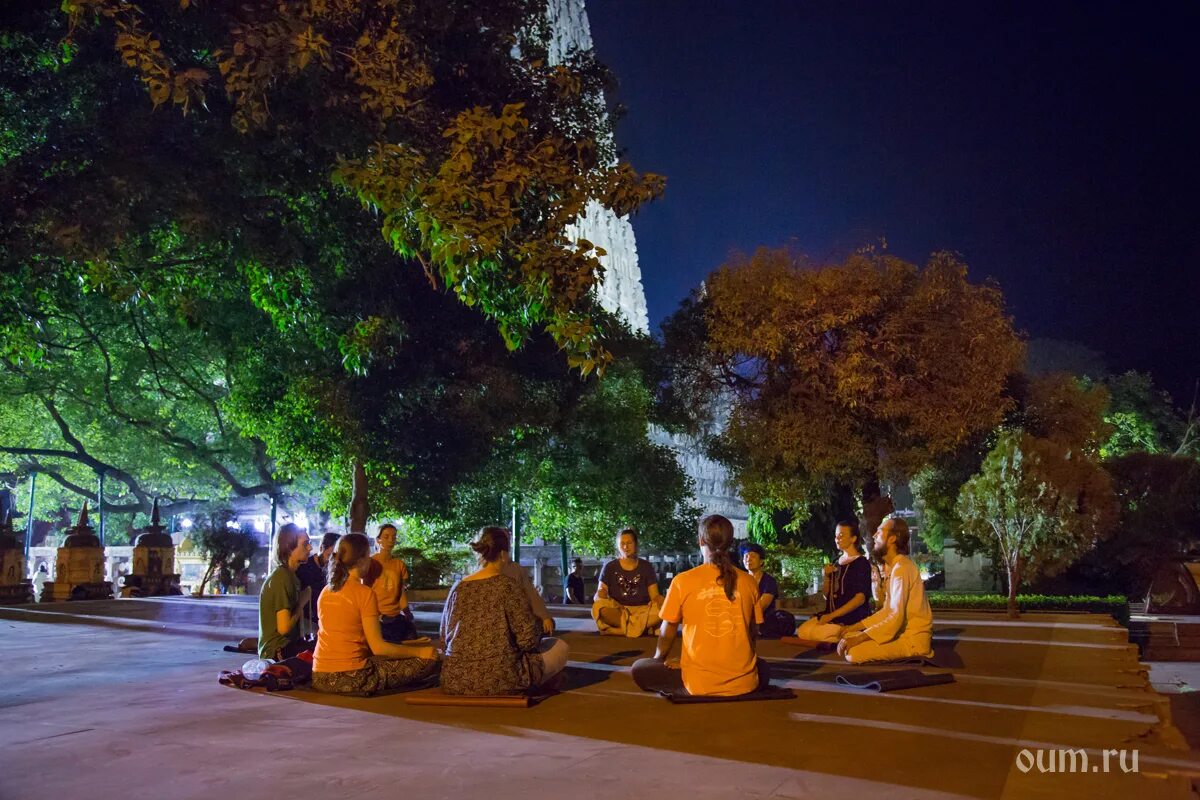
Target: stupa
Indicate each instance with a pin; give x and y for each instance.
(79, 566)
(14, 586)
(153, 562)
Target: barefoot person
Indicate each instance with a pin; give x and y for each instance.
(387, 576)
(776, 622)
(282, 602)
(847, 588)
(717, 604)
(903, 627)
(492, 641)
(627, 602)
(352, 655)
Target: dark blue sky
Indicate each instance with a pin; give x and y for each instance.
(1053, 145)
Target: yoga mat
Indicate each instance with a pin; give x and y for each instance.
(769, 693)
(809, 643)
(436, 697)
(892, 681)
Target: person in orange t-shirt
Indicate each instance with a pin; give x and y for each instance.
(717, 604)
(387, 577)
(351, 655)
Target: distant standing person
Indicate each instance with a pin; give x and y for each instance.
(847, 588)
(282, 601)
(717, 605)
(312, 575)
(575, 586)
(39, 581)
(388, 578)
(627, 601)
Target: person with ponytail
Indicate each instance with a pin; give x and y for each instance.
(627, 601)
(717, 604)
(492, 641)
(282, 602)
(352, 656)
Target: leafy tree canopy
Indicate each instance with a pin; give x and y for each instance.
(223, 171)
(1144, 419)
(1040, 503)
(843, 372)
(1159, 501)
(147, 149)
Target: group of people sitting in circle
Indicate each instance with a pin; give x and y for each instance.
(497, 634)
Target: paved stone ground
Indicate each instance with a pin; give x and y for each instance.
(119, 698)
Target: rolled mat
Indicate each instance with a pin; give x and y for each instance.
(436, 697)
(893, 680)
(769, 693)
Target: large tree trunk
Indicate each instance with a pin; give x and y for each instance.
(875, 507)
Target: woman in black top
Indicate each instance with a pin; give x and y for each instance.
(847, 589)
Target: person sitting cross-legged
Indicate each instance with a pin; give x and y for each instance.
(847, 588)
(312, 574)
(387, 576)
(282, 602)
(352, 656)
(903, 626)
(514, 570)
(492, 640)
(627, 601)
(717, 605)
(776, 622)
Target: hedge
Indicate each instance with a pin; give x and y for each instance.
(1116, 605)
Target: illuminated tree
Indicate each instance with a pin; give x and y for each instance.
(316, 200)
(844, 373)
(1144, 419)
(1039, 503)
(244, 129)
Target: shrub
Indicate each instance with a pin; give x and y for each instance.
(796, 568)
(1115, 605)
(433, 569)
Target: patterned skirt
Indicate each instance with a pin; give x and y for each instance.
(379, 675)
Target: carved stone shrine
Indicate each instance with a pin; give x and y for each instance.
(153, 562)
(79, 566)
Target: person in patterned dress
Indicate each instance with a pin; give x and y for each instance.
(492, 640)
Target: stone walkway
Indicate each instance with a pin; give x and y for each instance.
(112, 698)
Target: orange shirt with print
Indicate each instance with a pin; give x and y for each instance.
(387, 580)
(718, 651)
(342, 640)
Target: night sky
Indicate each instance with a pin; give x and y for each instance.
(1053, 145)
